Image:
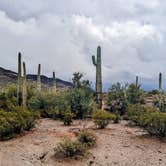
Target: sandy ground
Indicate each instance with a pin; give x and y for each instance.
(118, 145)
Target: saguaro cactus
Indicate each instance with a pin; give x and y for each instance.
(39, 78)
(19, 85)
(54, 82)
(160, 82)
(24, 92)
(97, 64)
(136, 83)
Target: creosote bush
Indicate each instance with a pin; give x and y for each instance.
(78, 147)
(153, 121)
(67, 117)
(16, 121)
(102, 118)
(87, 138)
(70, 148)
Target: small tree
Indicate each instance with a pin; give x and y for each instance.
(134, 94)
(116, 99)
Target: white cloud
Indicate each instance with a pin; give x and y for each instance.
(62, 36)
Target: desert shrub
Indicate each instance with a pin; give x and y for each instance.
(69, 148)
(81, 102)
(135, 94)
(137, 113)
(116, 98)
(102, 118)
(156, 124)
(149, 118)
(68, 117)
(160, 102)
(87, 139)
(117, 117)
(16, 121)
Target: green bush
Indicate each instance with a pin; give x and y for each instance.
(117, 117)
(153, 121)
(102, 118)
(67, 117)
(137, 113)
(87, 139)
(69, 148)
(14, 122)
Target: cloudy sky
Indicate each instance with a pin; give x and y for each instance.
(63, 34)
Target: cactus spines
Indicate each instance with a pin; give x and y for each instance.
(24, 92)
(160, 82)
(54, 82)
(19, 85)
(136, 83)
(39, 78)
(97, 64)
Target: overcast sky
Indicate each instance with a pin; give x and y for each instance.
(63, 34)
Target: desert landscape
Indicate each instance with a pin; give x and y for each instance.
(82, 83)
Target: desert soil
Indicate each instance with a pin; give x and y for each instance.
(118, 144)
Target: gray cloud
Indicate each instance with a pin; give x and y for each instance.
(62, 36)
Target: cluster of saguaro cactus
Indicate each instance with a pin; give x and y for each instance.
(24, 92)
(19, 85)
(22, 82)
(97, 64)
(39, 78)
(54, 82)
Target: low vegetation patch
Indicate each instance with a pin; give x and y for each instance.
(87, 138)
(102, 118)
(153, 121)
(68, 117)
(79, 147)
(14, 122)
(70, 148)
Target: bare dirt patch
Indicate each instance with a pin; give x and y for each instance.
(118, 145)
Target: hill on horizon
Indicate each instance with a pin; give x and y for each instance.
(10, 77)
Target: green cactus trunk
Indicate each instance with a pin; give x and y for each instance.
(136, 83)
(54, 83)
(24, 93)
(160, 91)
(160, 82)
(19, 85)
(39, 78)
(98, 77)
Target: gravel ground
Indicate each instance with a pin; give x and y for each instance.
(118, 144)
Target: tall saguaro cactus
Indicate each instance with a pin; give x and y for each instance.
(97, 64)
(136, 83)
(39, 78)
(19, 85)
(54, 82)
(24, 92)
(160, 82)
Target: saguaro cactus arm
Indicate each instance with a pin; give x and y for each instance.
(94, 60)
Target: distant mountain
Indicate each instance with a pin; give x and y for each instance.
(8, 77)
